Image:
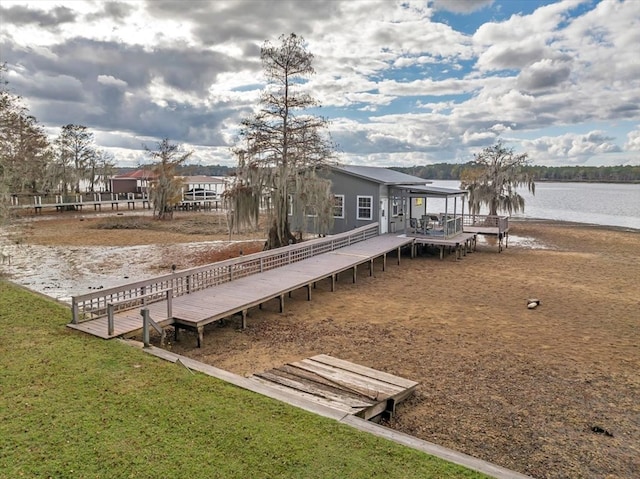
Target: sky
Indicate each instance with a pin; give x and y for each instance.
(401, 83)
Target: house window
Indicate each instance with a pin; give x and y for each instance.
(290, 206)
(365, 207)
(338, 206)
(395, 207)
(311, 211)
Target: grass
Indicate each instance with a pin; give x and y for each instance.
(189, 224)
(76, 406)
(124, 223)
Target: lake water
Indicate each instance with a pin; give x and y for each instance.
(609, 204)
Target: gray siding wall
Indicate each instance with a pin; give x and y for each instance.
(352, 187)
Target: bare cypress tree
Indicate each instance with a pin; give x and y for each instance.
(281, 152)
(76, 151)
(166, 187)
(24, 147)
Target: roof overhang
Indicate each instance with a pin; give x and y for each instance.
(428, 191)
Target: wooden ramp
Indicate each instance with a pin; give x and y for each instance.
(340, 385)
(196, 309)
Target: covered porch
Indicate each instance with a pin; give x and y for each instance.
(430, 210)
(434, 216)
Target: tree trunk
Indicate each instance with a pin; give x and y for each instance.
(273, 239)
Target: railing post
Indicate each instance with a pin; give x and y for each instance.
(145, 327)
(170, 304)
(74, 311)
(110, 327)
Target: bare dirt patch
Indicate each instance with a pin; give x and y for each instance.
(536, 391)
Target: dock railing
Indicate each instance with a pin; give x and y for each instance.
(107, 302)
(451, 225)
(499, 222)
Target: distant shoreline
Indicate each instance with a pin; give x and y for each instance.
(576, 224)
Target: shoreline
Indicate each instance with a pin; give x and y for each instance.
(627, 229)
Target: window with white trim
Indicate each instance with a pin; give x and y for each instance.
(338, 206)
(290, 208)
(365, 207)
(395, 207)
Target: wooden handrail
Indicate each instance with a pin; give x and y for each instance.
(95, 304)
(167, 293)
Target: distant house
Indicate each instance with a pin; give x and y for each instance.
(366, 194)
(137, 182)
(210, 187)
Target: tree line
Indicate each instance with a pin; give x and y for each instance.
(611, 174)
(31, 163)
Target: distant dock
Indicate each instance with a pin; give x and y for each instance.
(78, 202)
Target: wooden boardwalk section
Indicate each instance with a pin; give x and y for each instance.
(460, 244)
(497, 226)
(341, 385)
(194, 298)
(79, 203)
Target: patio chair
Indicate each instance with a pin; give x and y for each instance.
(425, 224)
(413, 224)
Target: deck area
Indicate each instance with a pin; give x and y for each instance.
(488, 225)
(198, 306)
(460, 244)
(341, 385)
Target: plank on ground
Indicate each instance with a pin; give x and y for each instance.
(305, 386)
(364, 371)
(366, 386)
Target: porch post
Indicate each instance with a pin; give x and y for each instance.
(446, 218)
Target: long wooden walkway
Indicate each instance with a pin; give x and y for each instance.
(195, 309)
(98, 202)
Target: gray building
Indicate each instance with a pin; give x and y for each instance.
(367, 194)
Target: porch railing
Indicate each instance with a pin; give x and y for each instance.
(500, 222)
(451, 225)
(109, 301)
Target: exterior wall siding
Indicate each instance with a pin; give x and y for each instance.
(352, 187)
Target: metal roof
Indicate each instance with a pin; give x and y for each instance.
(432, 190)
(384, 176)
(142, 174)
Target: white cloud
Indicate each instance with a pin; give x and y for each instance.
(397, 85)
(633, 141)
(461, 6)
(571, 147)
(111, 81)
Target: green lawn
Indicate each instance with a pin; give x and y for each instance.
(72, 405)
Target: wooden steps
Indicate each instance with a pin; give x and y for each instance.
(341, 385)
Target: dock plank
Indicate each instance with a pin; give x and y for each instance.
(363, 370)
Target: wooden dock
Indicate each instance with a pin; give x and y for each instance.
(193, 298)
(341, 385)
(79, 202)
(488, 225)
(459, 244)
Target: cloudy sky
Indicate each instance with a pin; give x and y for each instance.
(402, 82)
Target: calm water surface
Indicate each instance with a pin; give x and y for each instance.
(609, 204)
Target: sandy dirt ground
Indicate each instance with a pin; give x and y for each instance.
(551, 392)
